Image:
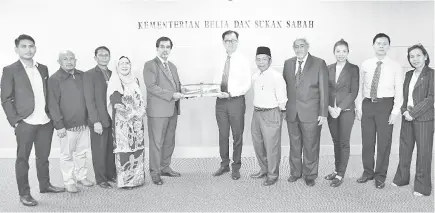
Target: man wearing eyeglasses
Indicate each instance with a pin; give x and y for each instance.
(95, 85)
(307, 109)
(163, 107)
(234, 76)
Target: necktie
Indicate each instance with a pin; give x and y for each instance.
(299, 73)
(375, 81)
(224, 83)
(168, 73)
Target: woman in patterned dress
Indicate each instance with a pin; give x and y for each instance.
(127, 110)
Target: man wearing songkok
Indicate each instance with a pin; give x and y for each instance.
(270, 98)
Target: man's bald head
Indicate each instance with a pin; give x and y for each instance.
(67, 60)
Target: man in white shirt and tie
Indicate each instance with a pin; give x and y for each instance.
(270, 98)
(378, 104)
(234, 76)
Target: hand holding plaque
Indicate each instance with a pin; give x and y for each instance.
(201, 90)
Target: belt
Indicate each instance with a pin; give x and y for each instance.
(259, 109)
(376, 100)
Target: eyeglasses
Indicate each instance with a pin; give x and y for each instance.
(231, 41)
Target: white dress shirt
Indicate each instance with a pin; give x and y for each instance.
(338, 69)
(239, 80)
(390, 82)
(414, 79)
(302, 65)
(269, 89)
(38, 116)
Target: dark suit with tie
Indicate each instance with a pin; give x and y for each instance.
(103, 159)
(342, 94)
(306, 102)
(18, 101)
(419, 131)
(162, 113)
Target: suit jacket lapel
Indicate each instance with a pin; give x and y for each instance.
(162, 69)
(22, 72)
(343, 72)
(306, 68)
(41, 73)
(420, 78)
(333, 73)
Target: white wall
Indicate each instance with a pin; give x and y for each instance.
(82, 25)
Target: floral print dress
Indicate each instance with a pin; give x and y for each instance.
(128, 135)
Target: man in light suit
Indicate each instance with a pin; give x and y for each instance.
(163, 98)
(307, 109)
(24, 100)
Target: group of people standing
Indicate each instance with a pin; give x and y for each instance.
(105, 111)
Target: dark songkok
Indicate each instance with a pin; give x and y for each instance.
(263, 50)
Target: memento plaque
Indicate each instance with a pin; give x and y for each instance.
(200, 90)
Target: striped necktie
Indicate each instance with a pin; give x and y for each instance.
(168, 72)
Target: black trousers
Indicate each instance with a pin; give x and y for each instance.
(103, 158)
(376, 132)
(340, 129)
(304, 138)
(230, 113)
(420, 133)
(27, 135)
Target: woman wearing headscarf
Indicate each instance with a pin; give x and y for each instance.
(417, 123)
(127, 110)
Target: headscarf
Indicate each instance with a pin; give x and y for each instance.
(116, 82)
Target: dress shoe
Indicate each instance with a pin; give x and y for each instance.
(28, 200)
(157, 180)
(310, 182)
(52, 189)
(113, 180)
(171, 173)
(336, 182)
(105, 185)
(363, 179)
(330, 176)
(258, 175)
(379, 184)
(235, 175)
(71, 188)
(269, 181)
(85, 182)
(418, 194)
(221, 171)
(292, 179)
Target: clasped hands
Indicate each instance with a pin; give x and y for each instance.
(407, 116)
(334, 111)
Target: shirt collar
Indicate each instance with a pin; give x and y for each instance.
(161, 60)
(304, 60)
(64, 74)
(34, 65)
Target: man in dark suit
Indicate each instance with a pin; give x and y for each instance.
(95, 87)
(24, 100)
(307, 108)
(163, 98)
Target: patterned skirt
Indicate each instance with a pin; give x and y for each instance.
(130, 168)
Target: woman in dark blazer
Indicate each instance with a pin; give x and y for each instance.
(343, 90)
(417, 122)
